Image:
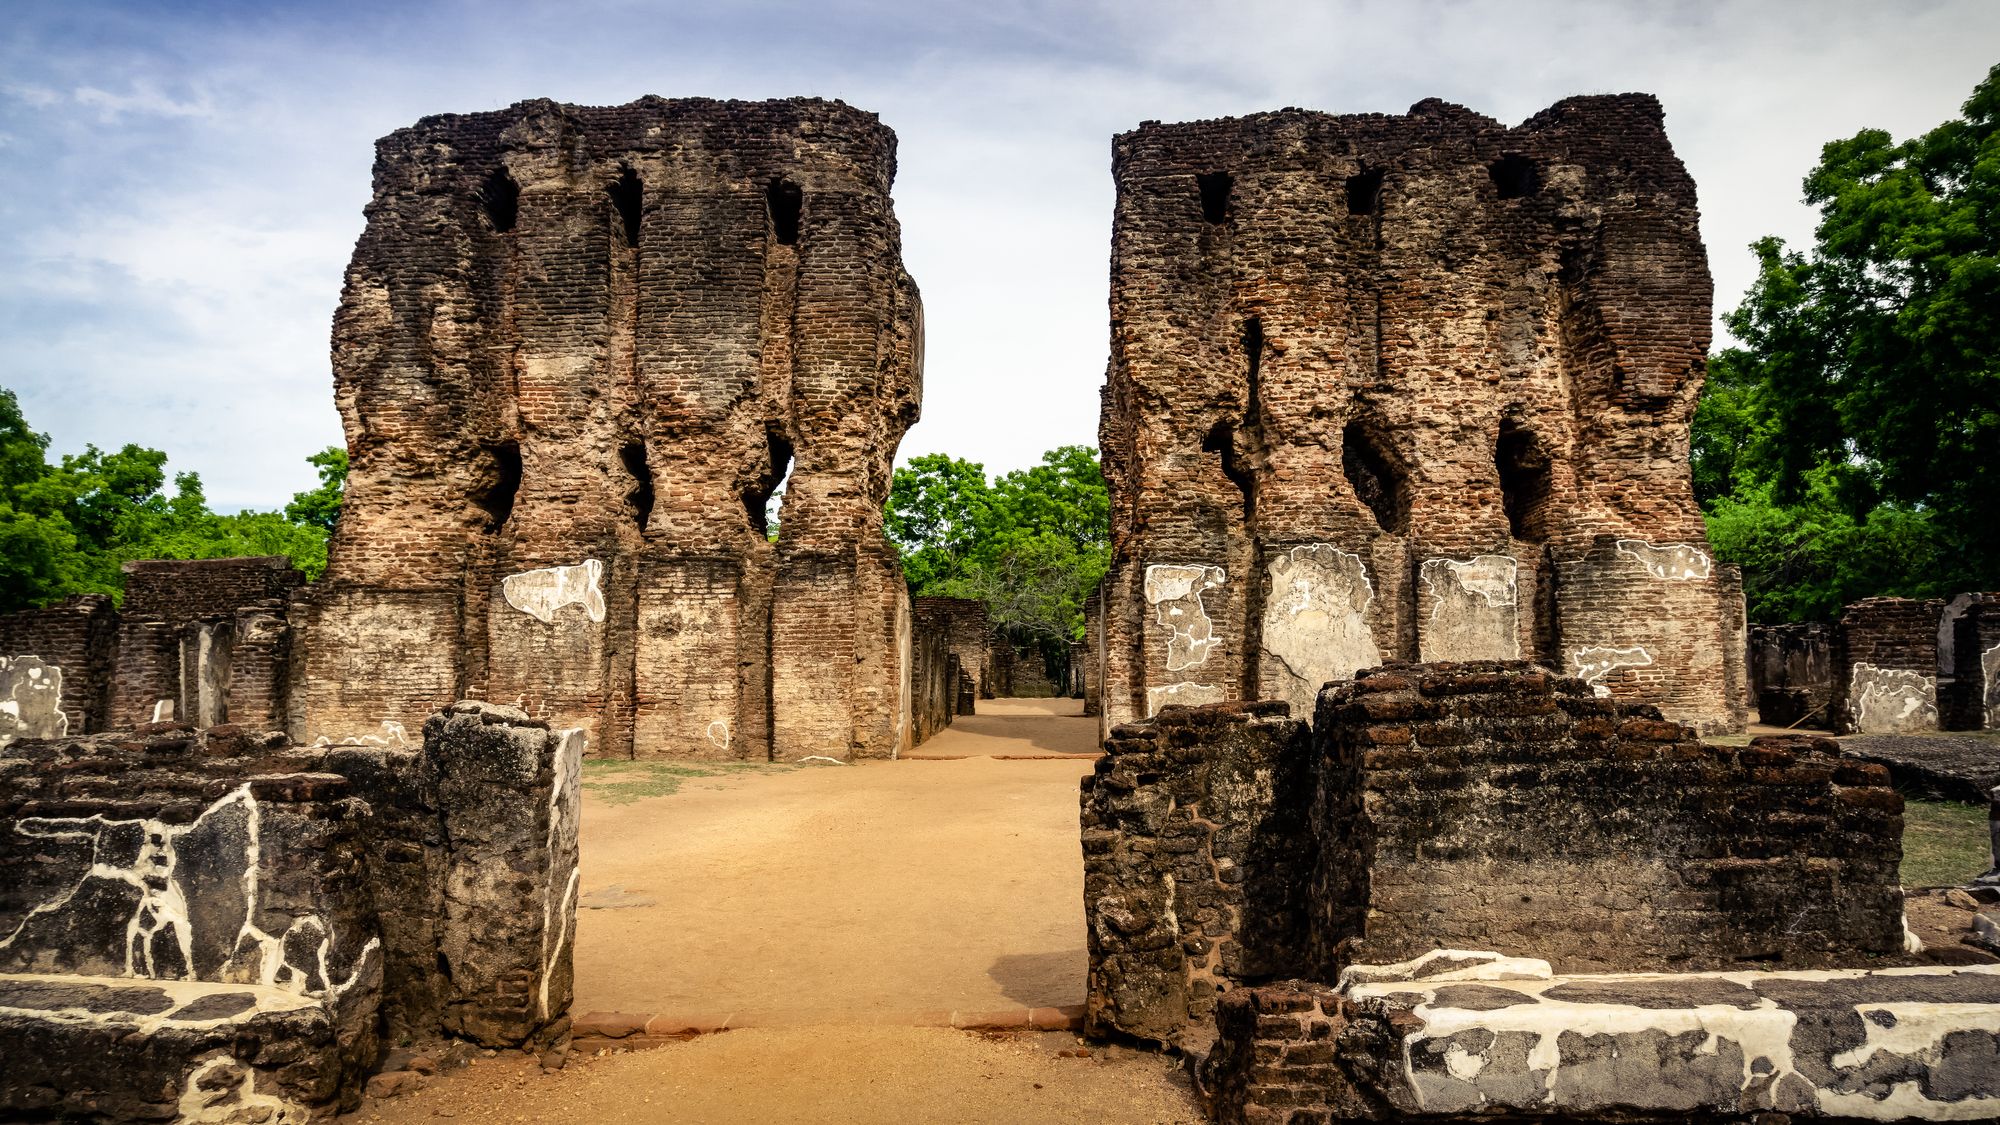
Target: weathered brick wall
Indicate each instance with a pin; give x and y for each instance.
(1408, 387)
(1196, 862)
(1791, 672)
(182, 590)
(80, 637)
(934, 674)
(1970, 654)
(1493, 806)
(1092, 663)
(1885, 667)
(577, 351)
(970, 632)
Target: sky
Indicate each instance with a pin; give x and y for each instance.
(181, 184)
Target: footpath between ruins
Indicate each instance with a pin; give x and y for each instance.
(838, 920)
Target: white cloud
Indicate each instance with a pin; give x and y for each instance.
(140, 102)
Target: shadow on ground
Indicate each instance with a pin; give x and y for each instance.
(1025, 978)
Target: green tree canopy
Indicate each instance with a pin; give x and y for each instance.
(1848, 446)
(1030, 545)
(69, 528)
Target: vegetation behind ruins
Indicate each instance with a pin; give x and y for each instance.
(1850, 445)
(68, 527)
(1030, 545)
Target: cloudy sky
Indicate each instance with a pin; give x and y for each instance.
(181, 184)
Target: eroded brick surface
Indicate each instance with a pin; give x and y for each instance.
(1409, 387)
(577, 350)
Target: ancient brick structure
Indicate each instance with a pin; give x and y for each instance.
(968, 633)
(1409, 387)
(1194, 878)
(1885, 666)
(75, 643)
(1472, 806)
(1969, 663)
(207, 640)
(1493, 807)
(1452, 1041)
(217, 921)
(578, 350)
(1791, 673)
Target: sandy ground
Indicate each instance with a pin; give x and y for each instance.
(908, 1076)
(850, 892)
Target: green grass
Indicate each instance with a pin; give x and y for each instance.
(621, 782)
(1945, 843)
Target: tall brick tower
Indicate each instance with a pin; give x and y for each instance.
(577, 351)
(1409, 387)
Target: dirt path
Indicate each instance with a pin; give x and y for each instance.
(908, 1076)
(859, 892)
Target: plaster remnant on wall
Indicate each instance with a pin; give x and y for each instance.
(30, 699)
(718, 733)
(163, 711)
(1181, 694)
(1174, 592)
(1989, 665)
(141, 870)
(541, 593)
(222, 1089)
(393, 737)
(565, 819)
(1892, 700)
(1315, 621)
(1594, 662)
(1677, 562)
(1470, 609)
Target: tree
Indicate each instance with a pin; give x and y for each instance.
(320, 507)
(1031, 545)
(1858, 424)
(69, 528)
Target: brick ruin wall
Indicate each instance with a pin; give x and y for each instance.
(75, 645)
(220, 893)
(577, 352)
(1885, 668)
(1791, 673)
(969, 636)
(1482, 806)
(1409, 387)
(1969, 655)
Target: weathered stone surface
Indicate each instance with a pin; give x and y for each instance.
(1196, 862)
(1943, 766)
(1891, 1045)
(578, 351)
(1791, 674)
(1437, 368)
(1494, 806)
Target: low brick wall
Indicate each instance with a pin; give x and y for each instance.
(1885, 666)
(1196, 862)
(1495, 806)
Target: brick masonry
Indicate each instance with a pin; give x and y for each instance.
(578, 350)
(1885, 666)
(1409, 387)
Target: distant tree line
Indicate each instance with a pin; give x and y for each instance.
(67, 527)
(1849, 446)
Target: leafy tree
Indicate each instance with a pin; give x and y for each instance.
(320, 507)
(68, 528)
(1030, 545)
(1848, 447)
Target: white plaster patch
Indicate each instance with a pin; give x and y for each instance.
(181, 993)
(163, 711)
(1594, 662)
(565, 868)
(222, 1089)
(1762, 1034)
(1891, 700)
(541, 593)
(393, 737)
(1449, 965)
(718, 734)
(30, 699)
(1674, 562)
(1174, 591)
(1471, 608)
(1315, 621)
(1182, 694)
(1989, 664)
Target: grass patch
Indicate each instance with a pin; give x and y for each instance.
(620, 782)
(1945, 843)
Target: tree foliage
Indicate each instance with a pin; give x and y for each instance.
(69, 527)
(1850, 446)
(1030, 545)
